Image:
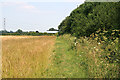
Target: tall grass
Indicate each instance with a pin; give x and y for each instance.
(26, 57)
(86, 57)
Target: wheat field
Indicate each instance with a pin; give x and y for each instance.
(26, 56)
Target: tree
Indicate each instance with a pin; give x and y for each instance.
(52, 29)
(89, 17)
(37, 31)
(11, 31)
(19, 31)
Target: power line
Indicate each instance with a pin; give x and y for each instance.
(4, 25)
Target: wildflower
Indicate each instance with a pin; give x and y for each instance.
(96, 34)
(96, 38)
(105, 31)
(94, 47)
(105, 38)
(112, 43)
(117, 60)
(113, 33)
(101, 61)
(99, 43)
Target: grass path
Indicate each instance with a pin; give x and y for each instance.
(86, 60)
(65, 63)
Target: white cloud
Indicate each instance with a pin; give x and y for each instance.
(11, 3)
(27, 6)
(24, 6)
(20, 5)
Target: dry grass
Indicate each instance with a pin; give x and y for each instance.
(26, 56)
(17, 37)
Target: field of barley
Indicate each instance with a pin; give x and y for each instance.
(26, 56)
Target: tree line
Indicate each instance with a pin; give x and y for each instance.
(90, 17)
(20, 32)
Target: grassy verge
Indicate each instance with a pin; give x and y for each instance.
(86, 60)
(66, 62)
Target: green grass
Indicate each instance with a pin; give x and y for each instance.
(86, 60)
(66, 63)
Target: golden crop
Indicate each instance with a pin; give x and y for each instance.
(26, 56)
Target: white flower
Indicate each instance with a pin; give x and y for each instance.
(99, 43)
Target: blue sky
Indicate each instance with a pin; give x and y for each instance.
(35, 16)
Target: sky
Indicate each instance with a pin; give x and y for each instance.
(35, 15)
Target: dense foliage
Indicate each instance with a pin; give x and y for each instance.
(91, 16)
